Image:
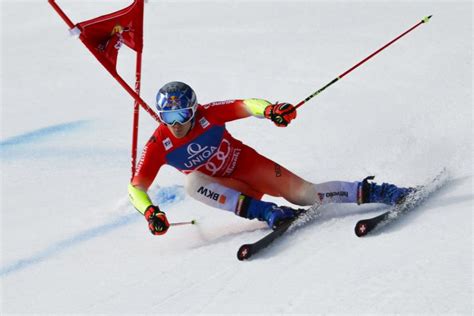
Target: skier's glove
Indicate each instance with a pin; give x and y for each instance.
(280, 113)
(157, 221)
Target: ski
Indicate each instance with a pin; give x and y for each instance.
(248, 250)
(413, 200)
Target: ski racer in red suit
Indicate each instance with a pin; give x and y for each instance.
(225, 173)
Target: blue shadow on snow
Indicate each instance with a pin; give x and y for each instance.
(43, 133)
(164, 196)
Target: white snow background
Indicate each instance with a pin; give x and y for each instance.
(72, 243)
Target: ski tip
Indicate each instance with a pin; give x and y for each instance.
(426, 19)
(193, 222)
(245, 251)
(361, 229)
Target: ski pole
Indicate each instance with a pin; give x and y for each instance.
(424, 20)
(191, 222)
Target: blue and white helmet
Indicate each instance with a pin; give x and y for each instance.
(176, 103)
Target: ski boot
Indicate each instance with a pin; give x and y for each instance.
(386, 193)
(273, 214)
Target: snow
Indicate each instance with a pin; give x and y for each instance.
(72, 243)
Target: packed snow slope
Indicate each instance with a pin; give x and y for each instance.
(71, 242)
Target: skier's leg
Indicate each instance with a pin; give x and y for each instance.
(267, 176)
(358, 192)
(240, 186)
(208, 191)
(211, 191)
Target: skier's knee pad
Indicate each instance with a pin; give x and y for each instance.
(206, 190)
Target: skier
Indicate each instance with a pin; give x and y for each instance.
(225, 173)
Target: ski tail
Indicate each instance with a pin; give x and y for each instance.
(248, 250)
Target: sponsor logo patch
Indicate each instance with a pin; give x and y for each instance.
(203, 122)
(220, 198)
(206, 106)
(209, 151)
(277, 170)
(332, 194)
(340, 193)
(142, 159)
(321, 196)
(198, 154)
(167, 143)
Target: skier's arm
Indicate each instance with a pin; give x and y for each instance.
(256, 107)
(150, 163)
(226, 111)
(281, 113)
(139, 198)
(148, 167)
(157, 221)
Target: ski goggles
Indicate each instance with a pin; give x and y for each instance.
(180, 116)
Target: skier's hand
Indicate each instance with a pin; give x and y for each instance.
(157, 221)
(280, 113)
